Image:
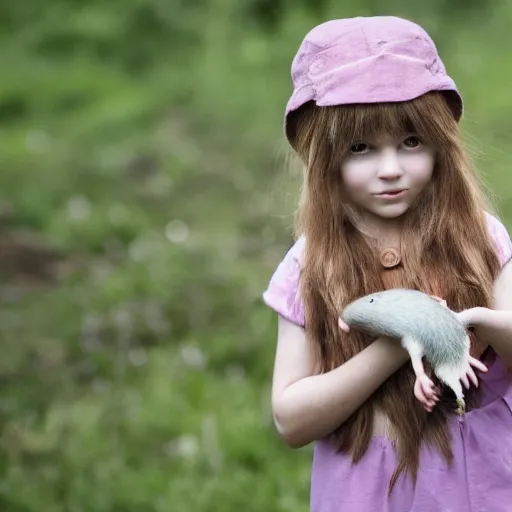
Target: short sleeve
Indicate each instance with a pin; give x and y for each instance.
(500, 238)
(283, 293)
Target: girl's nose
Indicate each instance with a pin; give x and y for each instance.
(388, 165)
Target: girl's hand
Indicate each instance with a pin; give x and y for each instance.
(473, 316)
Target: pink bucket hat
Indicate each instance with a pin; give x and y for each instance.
(368, 60)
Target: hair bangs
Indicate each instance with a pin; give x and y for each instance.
(350, 124)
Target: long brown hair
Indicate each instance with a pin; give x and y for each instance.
(446, 252)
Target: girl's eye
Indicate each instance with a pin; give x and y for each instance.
(358, 148)
(412, 142)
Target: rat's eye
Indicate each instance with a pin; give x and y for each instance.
(371, 300)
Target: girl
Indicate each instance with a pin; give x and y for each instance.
(389, 200)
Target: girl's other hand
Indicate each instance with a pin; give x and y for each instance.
(475, 316)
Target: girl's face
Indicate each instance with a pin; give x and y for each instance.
(383, 177)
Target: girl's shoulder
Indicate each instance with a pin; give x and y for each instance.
(282, 293)
(296, 251)
(500, 237)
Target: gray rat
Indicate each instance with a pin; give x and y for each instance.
(425, 328)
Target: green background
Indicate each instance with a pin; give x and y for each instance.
(144, 204)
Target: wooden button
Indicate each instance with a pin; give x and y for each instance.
(390, 258)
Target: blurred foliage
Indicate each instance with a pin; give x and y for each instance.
(143, 208)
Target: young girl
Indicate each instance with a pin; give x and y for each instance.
(388, 200)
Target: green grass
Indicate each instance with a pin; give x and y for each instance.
(142, 141)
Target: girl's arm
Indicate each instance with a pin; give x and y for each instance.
(308, 407)
(494, 326)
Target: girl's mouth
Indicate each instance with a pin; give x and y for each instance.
(392, 194)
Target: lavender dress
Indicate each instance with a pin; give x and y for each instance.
(479, 480)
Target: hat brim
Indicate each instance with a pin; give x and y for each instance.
(305, 96)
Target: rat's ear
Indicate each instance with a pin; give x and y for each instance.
(440, 300)
(343, 325)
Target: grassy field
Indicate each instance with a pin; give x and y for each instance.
(143, 207)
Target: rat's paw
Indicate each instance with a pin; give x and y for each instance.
(425, 392)
(477, 364)
(469, 373)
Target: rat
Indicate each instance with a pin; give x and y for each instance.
(426, 328)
